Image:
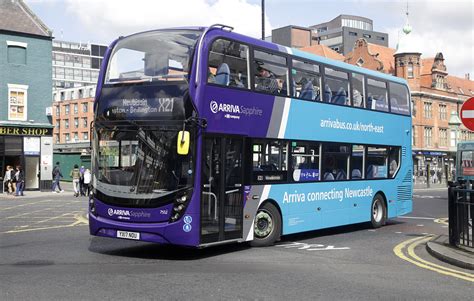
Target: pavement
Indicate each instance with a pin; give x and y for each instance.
(461, 257)
(66, 186)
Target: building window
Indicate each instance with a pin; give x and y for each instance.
(353, 33)
(76, 109)
(84, 122)
(17, 102)
(16, 53)
(427, 110)
(76, 137)
(410, 70)
(56, 138)
(76, 123)
(366, 35)
(58, 111)
(442, 112)
(66, 109)
(85, 136)
(443, 137)
(66, 123)
(57, 124)
(380, 38)
(360, 62)
(84, 107)
(428, 136)
(67, 137)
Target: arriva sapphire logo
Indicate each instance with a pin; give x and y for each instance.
(126, 214)
(234, 111)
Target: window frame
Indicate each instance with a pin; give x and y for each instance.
(18, 88)
(290, 76)
(249, 54)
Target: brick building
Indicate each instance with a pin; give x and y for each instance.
(72, 115)
(436, 97)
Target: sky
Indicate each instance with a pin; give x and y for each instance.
(445, 26)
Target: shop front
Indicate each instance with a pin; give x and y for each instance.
(30, 147)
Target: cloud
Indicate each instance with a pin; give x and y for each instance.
(110, 19)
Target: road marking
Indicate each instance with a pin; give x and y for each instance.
(417, 217)
(310, 247)
(443, 221)
(78, 220)
(411, 257)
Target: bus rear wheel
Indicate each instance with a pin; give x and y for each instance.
(267, 226)
(378, 212)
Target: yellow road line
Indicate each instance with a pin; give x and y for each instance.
(412, 243)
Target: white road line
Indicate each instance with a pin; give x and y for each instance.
(417, 217)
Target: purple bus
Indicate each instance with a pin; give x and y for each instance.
(203, 136)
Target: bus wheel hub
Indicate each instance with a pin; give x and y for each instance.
(263, 224)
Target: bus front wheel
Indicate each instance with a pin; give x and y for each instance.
(378, 212)
(267, 226)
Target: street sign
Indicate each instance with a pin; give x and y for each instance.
(467, 113)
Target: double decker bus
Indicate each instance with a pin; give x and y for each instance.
(204, 136)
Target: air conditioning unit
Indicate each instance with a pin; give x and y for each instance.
(49, 111)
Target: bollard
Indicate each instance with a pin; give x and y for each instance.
(428, 175)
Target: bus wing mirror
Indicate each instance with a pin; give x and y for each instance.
(183, 143)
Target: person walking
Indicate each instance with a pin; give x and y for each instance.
(7, 180)
(20, 181)
(87, 181)
(82, 187)
(75, 175)
(57, 175)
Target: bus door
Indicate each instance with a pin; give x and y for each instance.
(222, 189)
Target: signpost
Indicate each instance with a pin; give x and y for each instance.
(467, 113)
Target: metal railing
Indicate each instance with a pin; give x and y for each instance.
(461, 214)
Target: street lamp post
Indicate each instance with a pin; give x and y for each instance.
(263, 19)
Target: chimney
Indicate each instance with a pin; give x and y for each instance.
(467, 76)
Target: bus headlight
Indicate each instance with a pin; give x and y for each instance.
(92, 205)
(180, 204)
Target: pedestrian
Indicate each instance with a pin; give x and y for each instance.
(20, 181)
(82, 188)
(75, 175)
(87, 181)
(57, 175)
(7, 180)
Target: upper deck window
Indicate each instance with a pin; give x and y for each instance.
(271, 73)
(152, 56)
(336, 87)
(399, 99)
(306, 80)
(228, 64)
(377, 95)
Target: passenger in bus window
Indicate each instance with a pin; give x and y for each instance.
(265, 80)
(357, 98)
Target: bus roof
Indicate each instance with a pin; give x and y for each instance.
(288, 50)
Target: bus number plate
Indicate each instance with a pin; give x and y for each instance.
(128, 235)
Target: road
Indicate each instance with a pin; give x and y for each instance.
(48, 254)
